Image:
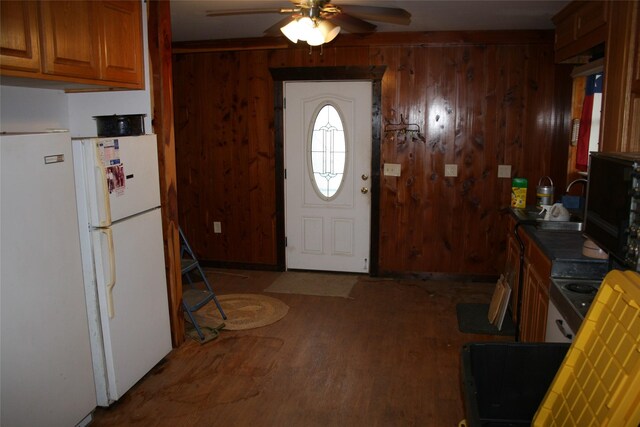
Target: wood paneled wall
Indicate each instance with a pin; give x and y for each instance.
(159, 35)
(481, 100)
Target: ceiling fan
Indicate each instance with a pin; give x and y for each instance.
(318, 21)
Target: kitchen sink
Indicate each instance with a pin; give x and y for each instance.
(534, 217)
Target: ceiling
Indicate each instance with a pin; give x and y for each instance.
(189, 21)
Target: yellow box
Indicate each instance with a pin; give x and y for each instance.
(518, 192)
(598, 383)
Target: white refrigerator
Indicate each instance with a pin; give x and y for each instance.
(46, 373)
(117, 187)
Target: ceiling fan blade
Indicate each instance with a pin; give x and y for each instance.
(248, 11)
(391, 15)
(352, 24)
(274, 30)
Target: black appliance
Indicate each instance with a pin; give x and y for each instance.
(612, 217)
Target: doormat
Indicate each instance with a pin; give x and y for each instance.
(473, 319)
(244, 311)
(320, 284)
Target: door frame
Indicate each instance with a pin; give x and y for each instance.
(368, 73)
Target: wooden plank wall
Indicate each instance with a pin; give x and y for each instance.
(480, 103)
(159, 35)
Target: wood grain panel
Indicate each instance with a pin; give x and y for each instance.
(159, 31)
(478, 105)
(223, 137)
(615, 121)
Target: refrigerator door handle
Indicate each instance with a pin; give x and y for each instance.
(112, 272)
(102, 178)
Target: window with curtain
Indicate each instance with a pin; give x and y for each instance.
(589, 130)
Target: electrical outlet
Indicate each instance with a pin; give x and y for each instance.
(504, 171)
(217, 227)
(450, 170)
(392, 169)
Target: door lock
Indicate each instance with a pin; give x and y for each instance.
(364, 190)
(365, 177)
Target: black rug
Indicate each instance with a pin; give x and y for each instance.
(472, 319)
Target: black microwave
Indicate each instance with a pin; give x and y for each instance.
(612, 217)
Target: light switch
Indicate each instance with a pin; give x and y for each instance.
(217, 227)
(392, 169)
(450, 170)
(504, 171)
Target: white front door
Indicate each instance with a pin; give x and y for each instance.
(327, 163)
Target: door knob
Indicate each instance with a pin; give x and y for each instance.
(365, 177)
(364, 190)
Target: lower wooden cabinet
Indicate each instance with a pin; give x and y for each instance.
(535, 303)
(535, 298)
(512, 265)
(536, 280)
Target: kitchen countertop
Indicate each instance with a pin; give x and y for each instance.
(564, 249)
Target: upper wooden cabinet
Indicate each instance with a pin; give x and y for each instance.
(579, 27)
(70, 41)
(19, 36)
(81, 42)
(120, 29)
(615, 25)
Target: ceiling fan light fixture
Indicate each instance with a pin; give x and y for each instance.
(291, 31)
(329, 30)
(306, 29)
(315, 37)
(314, 32)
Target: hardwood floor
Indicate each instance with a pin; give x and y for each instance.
(387, 356)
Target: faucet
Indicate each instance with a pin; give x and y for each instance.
(574, 181)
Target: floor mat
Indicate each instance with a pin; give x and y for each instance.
(472, 319)
(322, 284)
(244, 311)
(210, 333)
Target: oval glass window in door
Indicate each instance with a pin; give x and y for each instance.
(328, 152)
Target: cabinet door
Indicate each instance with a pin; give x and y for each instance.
(592, 16)
(528, 302)
(565, 32)
(512, 273)
(542, 309)
(70, 42)
(534, 305)
(19, 43)
(119, 23)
